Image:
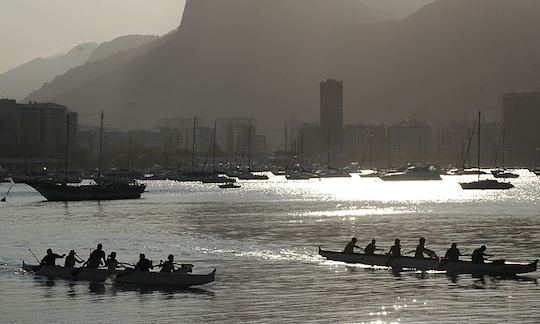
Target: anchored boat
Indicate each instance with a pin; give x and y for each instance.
(499, 267)
(77, 192)
(172, 280)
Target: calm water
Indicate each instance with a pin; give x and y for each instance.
(263, 240)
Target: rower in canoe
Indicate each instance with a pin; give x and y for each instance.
(395, 250)
(94, 261)
(452, 254)
(50, 258)
(167, 266)
(144, 264)
(112, 263)
(71, 259)
(371, 248)
(349, 248)
(479, 256)
(421, 249)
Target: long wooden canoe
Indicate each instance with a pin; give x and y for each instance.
(407, 262)
(173, 279)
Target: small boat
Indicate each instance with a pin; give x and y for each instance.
(172, 280)
(298, 175)
(219, 179)
(498, 267)
(332, 173)
(229, 185)
(415, 173)
(251, 176)
(488, 184)
(503, 174)
(78, 192)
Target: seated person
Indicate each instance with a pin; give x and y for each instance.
(50, 258)
(144, 264)
(71, 259)
(349, 248)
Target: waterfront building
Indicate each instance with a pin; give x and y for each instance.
(35, 128)
(331, 114)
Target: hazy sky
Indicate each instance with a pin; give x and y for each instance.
(38, 28)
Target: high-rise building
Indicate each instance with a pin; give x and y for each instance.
(522, 129)
(331, 105)
(35, 127)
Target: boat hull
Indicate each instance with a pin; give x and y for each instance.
(61, 192)
(405, 262)
(158, 279)
(405, 177)
(486, 185)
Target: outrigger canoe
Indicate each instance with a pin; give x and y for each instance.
(172, 280)
(499, 267)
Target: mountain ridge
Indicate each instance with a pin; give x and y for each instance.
(265, 59)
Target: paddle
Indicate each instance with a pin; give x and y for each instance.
(34, 255)
(7, 194)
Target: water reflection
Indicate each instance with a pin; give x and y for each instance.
(112, 289)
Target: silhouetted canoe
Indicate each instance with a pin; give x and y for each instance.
(406, 262)
(173, 279)
(103, 191)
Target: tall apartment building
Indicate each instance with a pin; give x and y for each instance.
(331, 110)
(35, 127)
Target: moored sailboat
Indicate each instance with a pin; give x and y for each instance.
(102, 188)
(488, 184)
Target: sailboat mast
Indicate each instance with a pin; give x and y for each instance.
(193, 145)
(302, 151)
(214, 149)
(67, 147)
(100, 143)
(249, 145)
(478, 157)
(503, 147)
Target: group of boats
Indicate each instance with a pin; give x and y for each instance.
(184, 279)
(498, 267)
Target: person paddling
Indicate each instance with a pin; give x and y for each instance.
(421, 249)
(371, 248)
(94, 261)
(453, 253)
(395, 250)
(50, 258)
(111, 263)
(479, 255)
(71, 259)
(167, 266)
(144, 264)
(349, 248)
